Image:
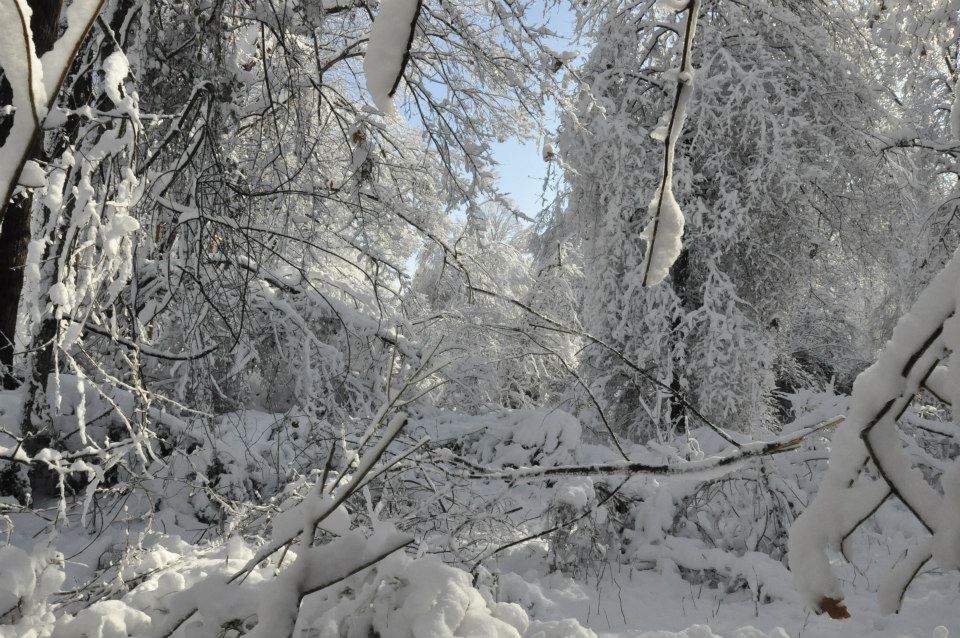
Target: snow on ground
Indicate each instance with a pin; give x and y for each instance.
(424, 598)
(628, 603)
(122, 573)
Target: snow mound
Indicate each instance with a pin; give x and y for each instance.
(104, 619)
(539, 437)
(438, 601)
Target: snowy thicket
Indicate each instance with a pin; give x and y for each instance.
(758, 299)
(280, 357)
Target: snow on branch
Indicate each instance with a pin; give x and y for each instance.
(326, 508)
(664, 230)
(389, 49)
(314, 567)
(22, 69)
(35, 82)
(849, 494)
(706, 469)
(145, 349)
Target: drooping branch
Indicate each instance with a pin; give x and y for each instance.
(664, 230)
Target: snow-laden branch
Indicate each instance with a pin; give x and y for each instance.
(314, 568)
(705, 469)
(35, 82)
(847, 495)
(664, 230)
(276, 603)
(145, 349)
(325, 509)
(22, 69)
(389, 49)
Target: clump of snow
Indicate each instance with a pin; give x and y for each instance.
(549, 431)
(664, 231)
(576, 492)
(104, 619)
(18, 579)
(27, 580)
(663, 235)
(33, 175)
(435, 600)
(115, 69)
(388, 49)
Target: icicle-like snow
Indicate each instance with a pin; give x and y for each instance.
(664, 230)
(389, 49)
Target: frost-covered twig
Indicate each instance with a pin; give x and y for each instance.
(550, 530)
(145, 349)
(555, 326)
(304, 286)
(586, 388)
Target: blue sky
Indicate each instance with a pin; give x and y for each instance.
(522, 171)
(522, 168)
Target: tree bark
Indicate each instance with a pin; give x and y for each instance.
(15, 227)
(680, 276)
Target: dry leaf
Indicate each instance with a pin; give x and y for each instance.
(834, 608)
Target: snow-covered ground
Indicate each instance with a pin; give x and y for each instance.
(423, 598)
(137, 565)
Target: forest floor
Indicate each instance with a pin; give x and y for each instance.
(139, 546)
(619, 602)
(630, 603)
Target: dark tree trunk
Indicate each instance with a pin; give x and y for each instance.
(15, 225)
(35, 419)
(680, 274)
(14, 240)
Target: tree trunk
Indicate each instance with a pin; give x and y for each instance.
(14, 240)
(679, 278)
(15, 228)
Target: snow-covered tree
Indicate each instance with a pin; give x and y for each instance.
(776, 136)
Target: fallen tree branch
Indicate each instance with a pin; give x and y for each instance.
(145, 349)
(705, 469)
